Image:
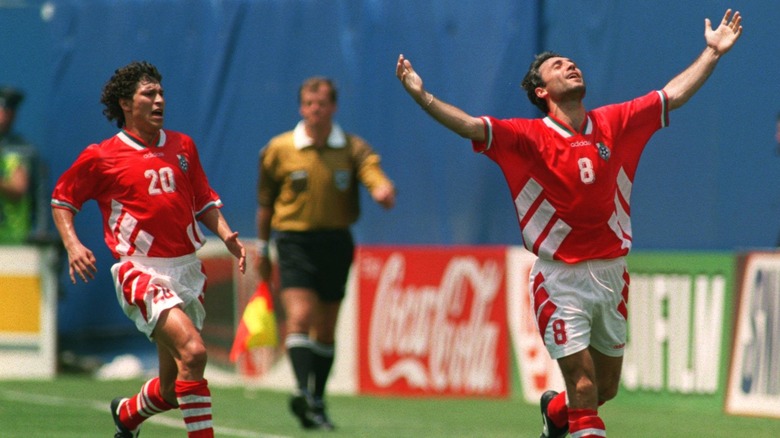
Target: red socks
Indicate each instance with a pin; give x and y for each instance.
(195, 403)
(585, 423)
(557, 410)
(143, 405)
(194, 400)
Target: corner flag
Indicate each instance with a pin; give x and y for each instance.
(258, 324)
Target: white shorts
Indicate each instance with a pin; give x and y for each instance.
(581, 305)
(147, 286)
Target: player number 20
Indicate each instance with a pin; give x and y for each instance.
(587, 174)
(161, 294)
(160, 181)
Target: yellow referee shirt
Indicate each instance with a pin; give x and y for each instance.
(314, 188)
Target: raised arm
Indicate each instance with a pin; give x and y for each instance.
(450, 116)
(719, 41)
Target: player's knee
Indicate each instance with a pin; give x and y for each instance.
(194, 356)
(585, 387)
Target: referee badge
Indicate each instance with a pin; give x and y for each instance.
(342, 179)
(183, 164)
(603, 150)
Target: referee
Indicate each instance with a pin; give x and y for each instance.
(308, 194)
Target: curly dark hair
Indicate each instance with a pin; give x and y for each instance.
(533, 79)
(123, 84)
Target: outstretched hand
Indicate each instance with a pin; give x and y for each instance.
(237, 249)
(409, 78)
(726, 34)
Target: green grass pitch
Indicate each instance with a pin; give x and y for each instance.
(77, 407)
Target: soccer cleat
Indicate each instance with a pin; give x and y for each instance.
(121, 430)
(299, 405)
(310, 413)
(550, 430)
(320, 417)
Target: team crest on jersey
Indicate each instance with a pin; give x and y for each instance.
(183, 164)
(603, 150)
(341, 178)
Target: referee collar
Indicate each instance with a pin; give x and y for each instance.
(301, 139)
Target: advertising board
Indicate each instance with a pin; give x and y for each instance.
(432, 321)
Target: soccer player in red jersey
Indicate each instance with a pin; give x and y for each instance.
(570, 175)
(151, 190)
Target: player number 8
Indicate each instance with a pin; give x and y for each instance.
(559, 332)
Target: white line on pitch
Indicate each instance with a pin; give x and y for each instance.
(51, 400)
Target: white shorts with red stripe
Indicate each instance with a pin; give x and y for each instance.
(581, 305)
(147, 286)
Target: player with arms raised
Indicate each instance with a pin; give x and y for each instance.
(151, 191)
(570, 175)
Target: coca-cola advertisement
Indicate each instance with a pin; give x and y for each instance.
(432, 321)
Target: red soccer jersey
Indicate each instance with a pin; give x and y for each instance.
(149, 197)
(572, 190)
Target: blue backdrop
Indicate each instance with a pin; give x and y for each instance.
(231, 70)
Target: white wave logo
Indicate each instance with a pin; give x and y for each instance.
(437, 345)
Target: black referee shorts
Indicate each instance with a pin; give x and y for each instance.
(318, 260)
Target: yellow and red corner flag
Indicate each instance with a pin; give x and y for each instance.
(258, 324)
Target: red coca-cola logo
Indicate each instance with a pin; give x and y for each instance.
(433, 322)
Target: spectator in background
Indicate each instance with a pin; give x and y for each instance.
(308, 193)
(16, 206)
(152, 192)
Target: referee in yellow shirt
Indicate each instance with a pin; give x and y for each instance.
(308, 194)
